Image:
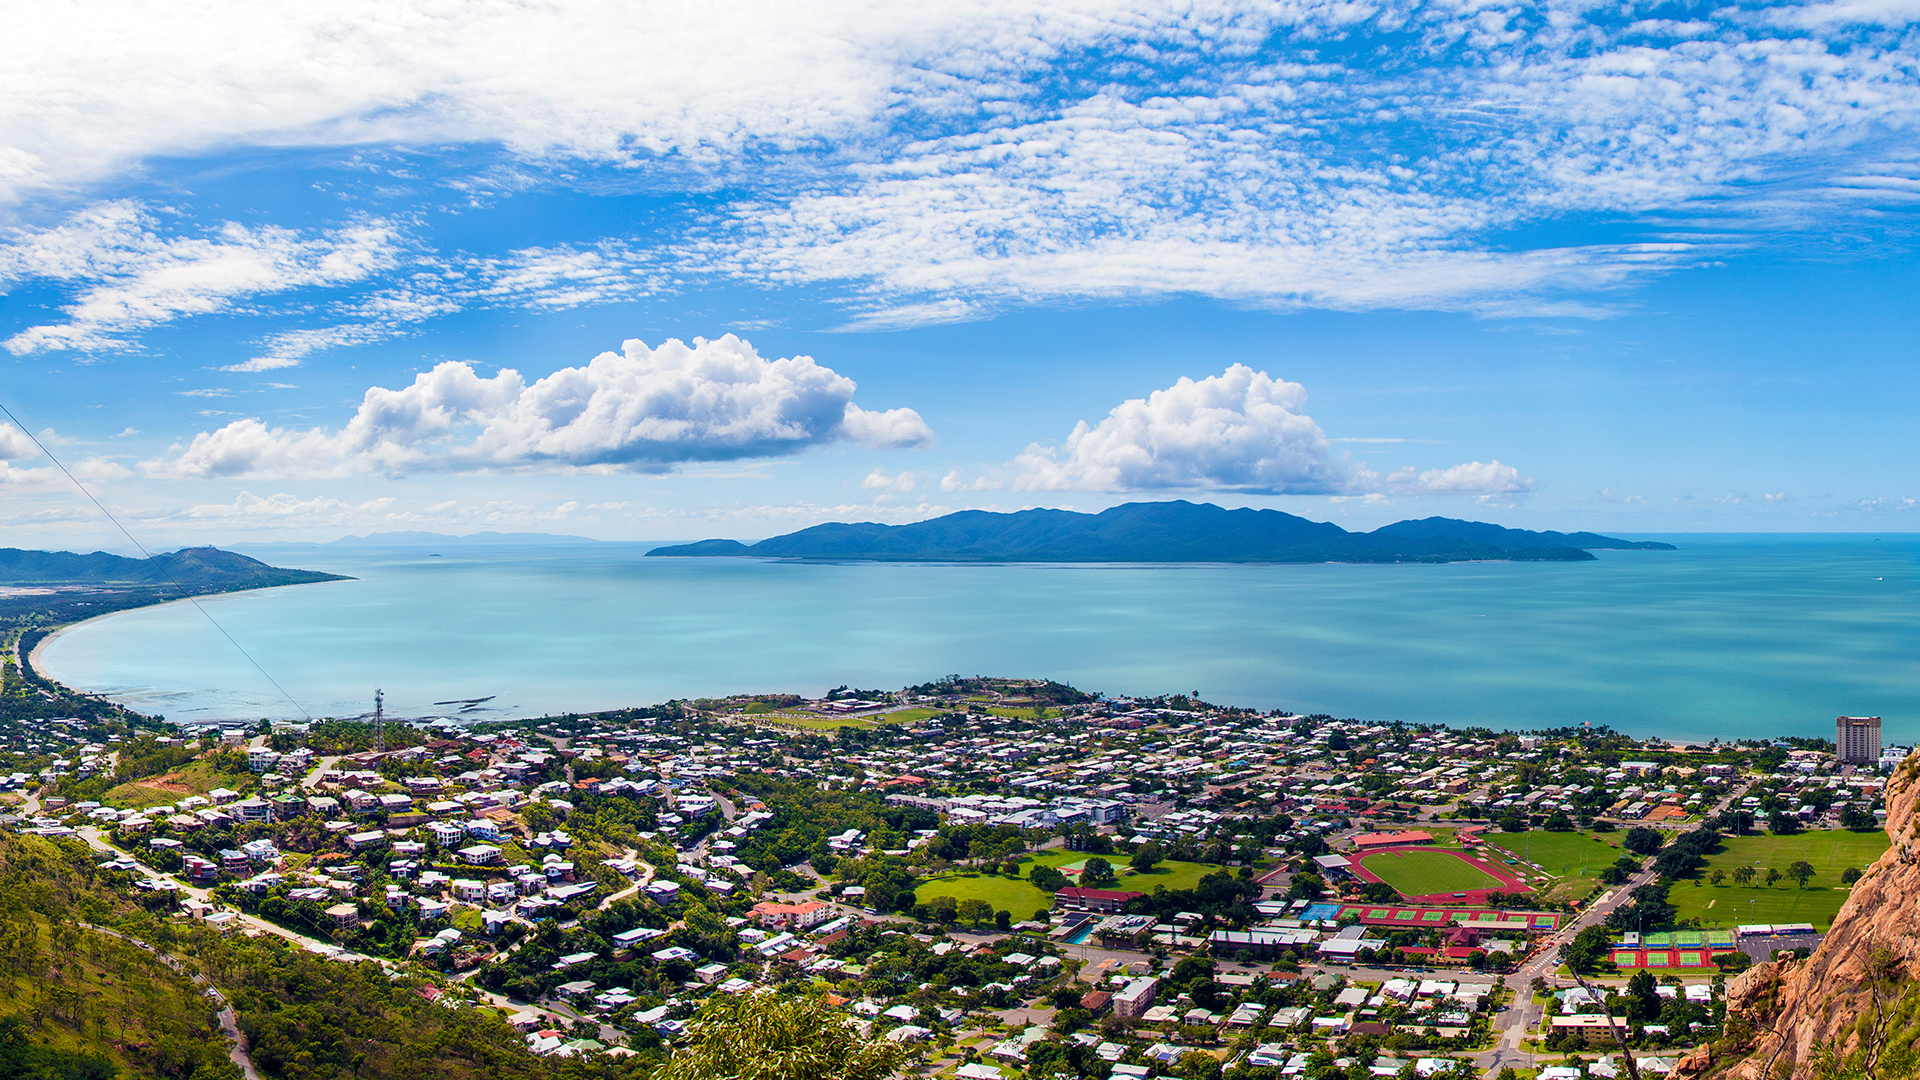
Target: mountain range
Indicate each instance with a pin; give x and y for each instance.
(198, 570)
(1164, 532)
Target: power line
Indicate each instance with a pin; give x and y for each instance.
(162, 567)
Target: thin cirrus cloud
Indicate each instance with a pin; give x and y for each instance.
(1241, 431)
(130, 273)
(638, 410)
(938, 163)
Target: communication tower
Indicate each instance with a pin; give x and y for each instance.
(379, 722)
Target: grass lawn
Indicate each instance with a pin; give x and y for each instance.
(1423, 873)
(1172, 873)
(1018, 898)
(830, 723)
(1562, 854)
(1830, 852)
(1021, 898)
(193, 778)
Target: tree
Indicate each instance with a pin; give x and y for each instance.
(1585, 952)
(1148, 857)
(1800, 871)
(1850, 875)
(1558, 822)
(1773, 876)
(1048, 878)
(1197, 1065)
(1643, 841)
(943, 909)
(1743, 876)
(1783, 824)
(762, 1036)
(1098, 873)
(1858, 818)
(1003, 920)
(1716, 877)
(975, 911)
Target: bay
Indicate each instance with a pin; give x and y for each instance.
(1728, 637)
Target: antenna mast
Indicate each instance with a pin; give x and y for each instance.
(379, 722)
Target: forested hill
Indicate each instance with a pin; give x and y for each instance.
(1171, 532)
(196, 569)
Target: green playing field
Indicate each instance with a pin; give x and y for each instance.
(1424, 873)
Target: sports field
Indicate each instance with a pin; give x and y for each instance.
(1727, 904)
(1562, 854)
(1424, 872)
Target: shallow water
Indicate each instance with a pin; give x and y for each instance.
(1729, 637)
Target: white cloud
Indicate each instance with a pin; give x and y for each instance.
(878, 480)
(941, 162)
(954, 482)
(1473, 478)
(640, 409)
(15, 445)
(1240, 431)
(131, 274)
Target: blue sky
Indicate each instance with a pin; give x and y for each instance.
(646, 273)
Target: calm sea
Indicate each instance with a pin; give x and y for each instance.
(1731, 636)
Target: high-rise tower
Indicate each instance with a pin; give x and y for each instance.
(1858, 739)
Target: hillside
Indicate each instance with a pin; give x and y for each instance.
(197, 569)
(1175, 532)
(90, 1001)
(1853, 1007)
(80, 1000)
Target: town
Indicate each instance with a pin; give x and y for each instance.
(1014, 877)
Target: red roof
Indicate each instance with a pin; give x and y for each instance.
(1074, 892)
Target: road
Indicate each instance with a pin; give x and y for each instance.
(1518, 1018)
(229, 1022)
(319, 770)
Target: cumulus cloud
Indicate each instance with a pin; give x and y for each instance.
(1473, 478)
(1241, 431)
(1238, 431)
(953, 481)
(15, 445)
(878, 480)
(642, 409)
(131, 274)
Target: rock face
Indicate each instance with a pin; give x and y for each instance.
(1781, 1014)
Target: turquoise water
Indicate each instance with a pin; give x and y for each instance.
(1729, 636)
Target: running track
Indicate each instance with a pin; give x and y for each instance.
(1509, 882)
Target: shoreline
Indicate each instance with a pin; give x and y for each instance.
(35, 657)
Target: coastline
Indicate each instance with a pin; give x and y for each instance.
(36, 657)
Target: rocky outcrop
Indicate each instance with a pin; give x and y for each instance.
(1781, 1015)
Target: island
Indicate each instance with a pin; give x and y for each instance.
(1165, 532)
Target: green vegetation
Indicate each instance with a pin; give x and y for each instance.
(762, 1036)
(1017, 896)
(79, 990)
(1423, 873)
(1560, 854)
(221, 770)
(1828, 853)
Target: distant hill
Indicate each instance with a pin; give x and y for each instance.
(196, 569)
(1176, 531)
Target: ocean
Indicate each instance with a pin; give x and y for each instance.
(1728, 637)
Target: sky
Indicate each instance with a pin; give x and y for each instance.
(664, 272)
